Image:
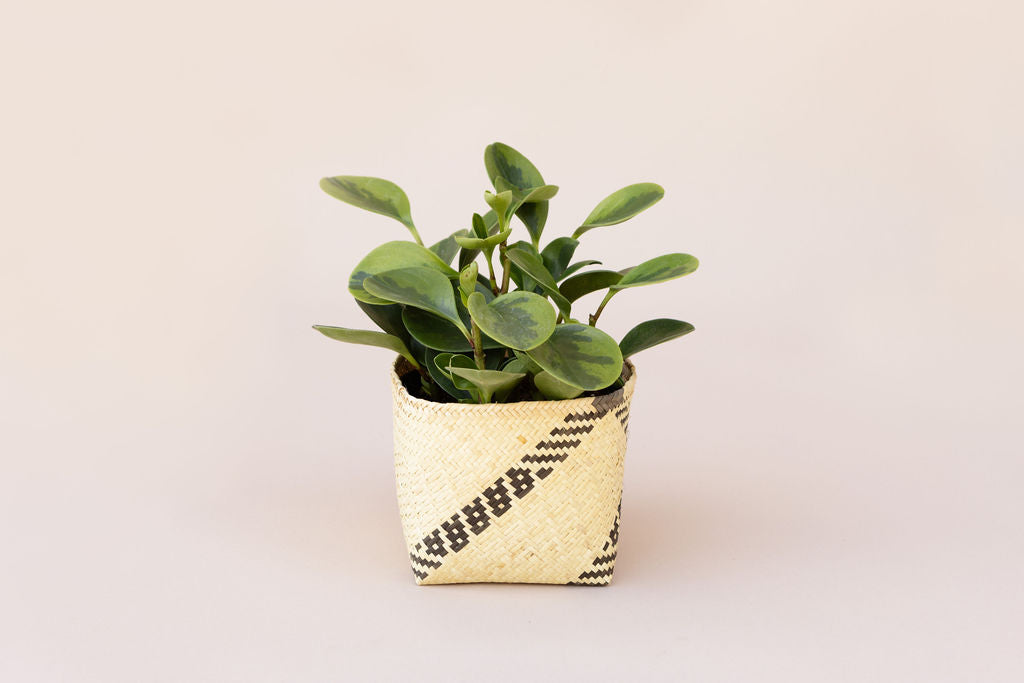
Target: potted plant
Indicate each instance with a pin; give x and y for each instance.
(510, 412)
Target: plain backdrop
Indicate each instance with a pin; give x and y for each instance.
(824, 481)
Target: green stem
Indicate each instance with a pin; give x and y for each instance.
(597, 314)
(477, 343)
(490, 269)
(415, 233)
(506, 265)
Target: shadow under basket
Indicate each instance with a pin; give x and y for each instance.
(524, 492)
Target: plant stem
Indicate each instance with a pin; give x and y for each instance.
(506, 265)
(415, 233)
(477, 343)
(597, 314)
(490, 269)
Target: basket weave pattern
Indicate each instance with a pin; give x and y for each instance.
(511, 492)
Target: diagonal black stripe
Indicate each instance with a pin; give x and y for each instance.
(571, 431)
(605, 559)
(597, 574)
(551, 445)
(545, 458)
(585, 417)
(497, 498)
(424, 563)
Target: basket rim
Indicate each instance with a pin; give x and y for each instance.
(518, 406)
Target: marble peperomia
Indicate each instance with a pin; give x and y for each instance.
(499, 325)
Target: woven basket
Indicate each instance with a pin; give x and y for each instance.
(524, 492)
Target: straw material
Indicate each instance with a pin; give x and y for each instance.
(511, 492)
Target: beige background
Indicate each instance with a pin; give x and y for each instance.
(824, 482)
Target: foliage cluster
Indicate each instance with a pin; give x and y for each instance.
(505, 332)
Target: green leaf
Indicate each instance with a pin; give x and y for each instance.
(372, 194)
(554, 388)
(580, 355)
(436, 333)
(433, 331)
(651, 333)
(622, 205)
(467, 279)
(490, 224)
(367, 338)
(516, 365)
(580, 285)
(534, 216)
(445, 362)
(390, 256)
(658, 269)
(511, 166)
(447, 248)
(524, 358)
(532, 195)
(419, 287)
(486, 243)
(442, 379)
(520, 320)
(505, 162)
(557, 255)
(501, 203)
(532, 265)
(479, 227)
(487, 382)
(387, 317)
(578, 265)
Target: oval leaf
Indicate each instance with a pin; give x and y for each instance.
(506, 162)
(622, 205)
(419, 287)
(446, 361)
(387, 317)
(487, 382)
(433, 331)
(520, 320)
(585, 283)
(372, 194)
(651, 333)
(439, 334)
(447, 248)
(658, 269)
(531, 264)
(367, 338)
(390, 256)
(532, 195)
(515, 365)
(490, 223)
(555, 388)
(528, 363)
(516, 170)
(578, 265)
(441, 378)
(557, 255)
(486, 243)
(467, 279)
(500, 203)
(580, 355)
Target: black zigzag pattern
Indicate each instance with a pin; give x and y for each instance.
(603, 576)
(497, 499)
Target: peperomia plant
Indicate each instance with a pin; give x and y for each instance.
(508, 333)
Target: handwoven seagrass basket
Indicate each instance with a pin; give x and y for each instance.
(524, 492)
